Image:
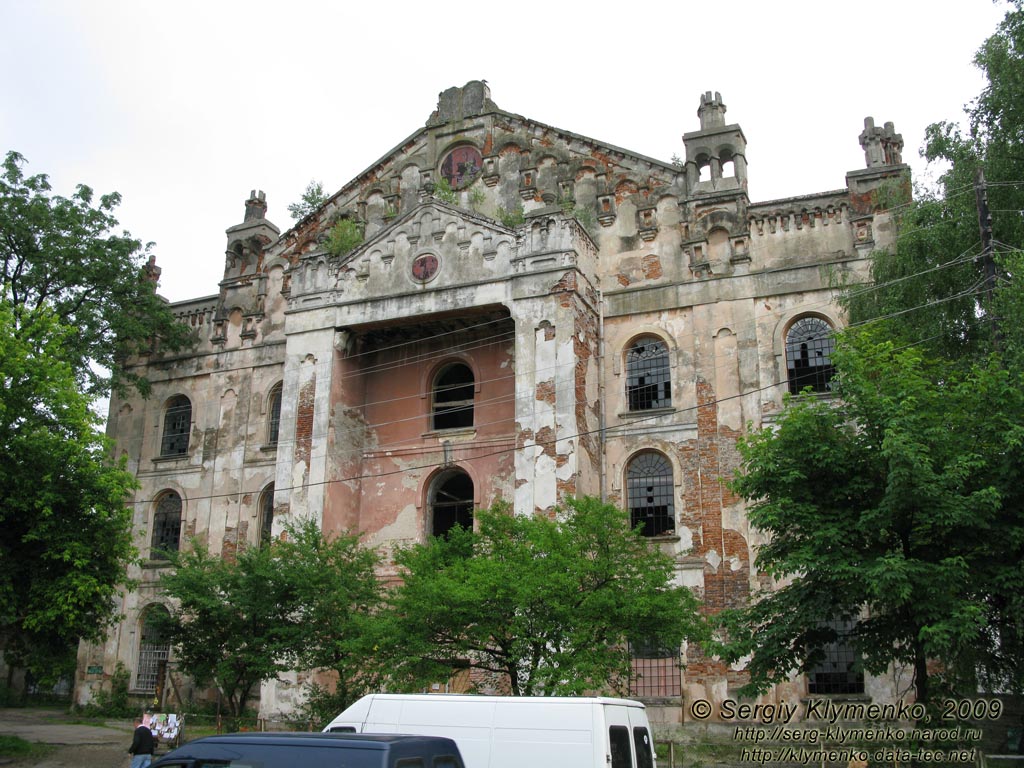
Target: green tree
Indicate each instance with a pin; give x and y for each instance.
(60, 255)
(312, 198)
(233, 619)
(338, 597)
(65, 540)
(936, 267)
(549, 605)
(898, 506)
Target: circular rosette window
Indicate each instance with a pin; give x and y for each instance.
(424, 267)
(461, 166)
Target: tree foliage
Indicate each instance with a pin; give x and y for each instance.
(546, 606)
(65, 540)
(898, 506)
(337, 599)
(231, 619)
(901, 503)
(60, 255)
(305, 601)
(931, 286)
(312, 198)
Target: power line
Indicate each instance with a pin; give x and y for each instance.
(634, 420)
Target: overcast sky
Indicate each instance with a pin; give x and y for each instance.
(184, 106)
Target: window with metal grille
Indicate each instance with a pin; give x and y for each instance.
(648, 381)
(809, 347)
(154, 648)
(453, 397)
(840, 671)
(177, 426)
(274, 415)
(266, 514)
(166, 525)
(650, 494)
(655, 671)
(451, 502)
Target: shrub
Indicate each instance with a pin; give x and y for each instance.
(344, 237)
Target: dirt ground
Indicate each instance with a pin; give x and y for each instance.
(103, 745)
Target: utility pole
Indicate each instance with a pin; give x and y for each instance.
(985, 225)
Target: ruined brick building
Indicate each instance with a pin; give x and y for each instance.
(531, 313)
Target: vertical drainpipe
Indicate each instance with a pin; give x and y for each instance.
(602, 474)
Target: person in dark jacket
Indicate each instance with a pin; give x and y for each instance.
(142, 745)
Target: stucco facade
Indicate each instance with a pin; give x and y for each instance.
(531, 314)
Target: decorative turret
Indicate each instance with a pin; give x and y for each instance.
(716, 154)
(151, 272)
(256, 206)
(883, 158)
(711, 111)
(716, 183)
(882, 146)
(247, 240)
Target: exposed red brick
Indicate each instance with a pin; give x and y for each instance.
(304, 422)
(546, 441)
(651, 264)
(546, 392)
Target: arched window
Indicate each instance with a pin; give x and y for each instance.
(453, 397)
(809, 347)
(154, 648)
(451, 502)
(648, 381)
(650, 494)
(177, 426)
(840, 671)
(703, 168)
(166, 525)
(725, 157)
(274, 415)
(266, 514)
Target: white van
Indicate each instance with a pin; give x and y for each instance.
(514, 731)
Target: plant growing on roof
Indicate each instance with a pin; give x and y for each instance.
(344, 236)
(511, 217)
(443, 191)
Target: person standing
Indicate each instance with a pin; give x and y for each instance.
(141, 749)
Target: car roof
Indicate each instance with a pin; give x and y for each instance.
(356, 740)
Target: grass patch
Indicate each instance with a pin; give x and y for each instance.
(19, 749)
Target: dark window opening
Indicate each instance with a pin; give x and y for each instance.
(654, 672)
(166, 526)
(154, 648)
(452, 503)
(809, 347)
(274, 416)
(648, 381)
(453, 398)
(266, 515)
(177, 426)
(618, 739)
(644, 748)
(840, 671)
(650, 493)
